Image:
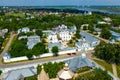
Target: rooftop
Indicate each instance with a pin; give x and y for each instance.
(21, 73)
(50, 45)
(33, 37)
(31, 43)
(79, 62)
(43, 75)
(115, 34)
(88, 37)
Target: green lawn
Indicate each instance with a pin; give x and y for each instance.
(96, 74)
(15, 37)
(16, 14)
(118, 70)
(106, 65)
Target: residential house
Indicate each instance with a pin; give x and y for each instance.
(3, 32)
(108, 19)
(115, 35)
(25, 30)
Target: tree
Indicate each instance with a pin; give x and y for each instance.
(0, 72)
(18, 49)
(38, 49)
(91, 28)
(103, 26)
(21, 34)
(51, 68)
(29, 54)
(2, 13)
(55, 50)
(1, 39)
(108, 52)
(29, 33)
(78, 36)
(39, 33)
(85, 27)
(105, 33)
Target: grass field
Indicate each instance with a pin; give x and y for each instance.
(104, 64)
(17, 14)
(118, 70)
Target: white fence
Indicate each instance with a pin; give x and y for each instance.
(68, 51)
(15, 59)
(7, 60)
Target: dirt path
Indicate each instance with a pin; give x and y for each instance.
(7, 46)
(114, 69)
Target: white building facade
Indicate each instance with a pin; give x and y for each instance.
(61, 33)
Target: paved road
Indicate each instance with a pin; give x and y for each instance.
(37, 61)
(7, 47)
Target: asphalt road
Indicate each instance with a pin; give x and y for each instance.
(36, 61)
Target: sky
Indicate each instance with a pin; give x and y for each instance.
(57, 2)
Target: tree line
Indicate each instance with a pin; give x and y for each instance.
(47, 21)
(108, 52)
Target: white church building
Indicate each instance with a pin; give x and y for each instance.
(61, 33)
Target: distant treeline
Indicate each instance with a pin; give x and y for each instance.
(66, 10)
